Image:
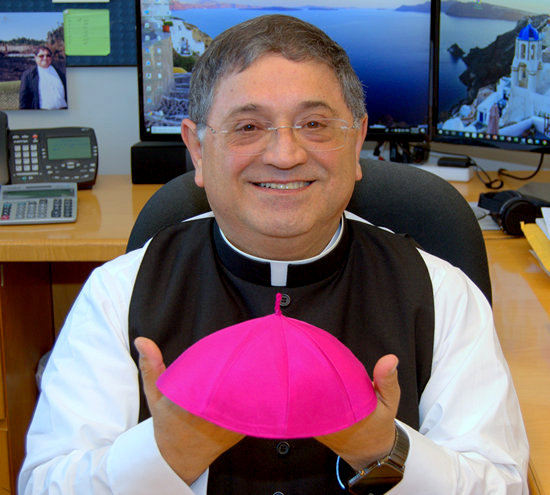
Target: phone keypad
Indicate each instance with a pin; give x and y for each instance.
(26, 158)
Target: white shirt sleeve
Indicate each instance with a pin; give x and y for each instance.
(471, 438)
(83, 437)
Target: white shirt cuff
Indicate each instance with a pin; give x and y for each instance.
(424, 455)
(136, 467)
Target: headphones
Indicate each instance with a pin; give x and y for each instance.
(510, 208)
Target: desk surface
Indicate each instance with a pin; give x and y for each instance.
(521, 290)
(521, 306)
(106, 214)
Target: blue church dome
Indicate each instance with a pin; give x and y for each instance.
(529, 33)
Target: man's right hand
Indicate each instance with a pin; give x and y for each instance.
(189, 444)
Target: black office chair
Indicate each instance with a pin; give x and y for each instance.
(400, 197)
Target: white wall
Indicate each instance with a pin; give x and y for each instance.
(104, 98)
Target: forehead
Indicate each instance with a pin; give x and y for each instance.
(274, 86)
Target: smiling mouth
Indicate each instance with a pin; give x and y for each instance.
(287, 186)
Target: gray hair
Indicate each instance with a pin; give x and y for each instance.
(238, 47)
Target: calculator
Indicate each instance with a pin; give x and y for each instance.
(38, 203)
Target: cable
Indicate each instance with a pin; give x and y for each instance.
(506, 173)
(498, 183)
(486, 180)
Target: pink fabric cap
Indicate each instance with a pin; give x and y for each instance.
(271, 377)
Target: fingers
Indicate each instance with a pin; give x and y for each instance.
(386, 383)
(151, 366)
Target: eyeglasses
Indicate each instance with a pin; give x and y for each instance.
(251, 137)
(47, 55)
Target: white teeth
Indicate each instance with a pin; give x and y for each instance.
(286, 186)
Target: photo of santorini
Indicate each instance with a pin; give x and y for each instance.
(494, 72)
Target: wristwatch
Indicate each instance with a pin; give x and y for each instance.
(383, 474)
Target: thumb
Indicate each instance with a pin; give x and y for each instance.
(151, 366)
(385, 381)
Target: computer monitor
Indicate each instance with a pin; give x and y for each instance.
(494, 74)
(388, 41)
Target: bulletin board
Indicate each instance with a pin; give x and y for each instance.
(122, 18)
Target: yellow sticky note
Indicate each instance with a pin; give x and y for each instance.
(539, 242)
(87, 32)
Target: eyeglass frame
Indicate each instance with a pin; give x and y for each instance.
(203, 126)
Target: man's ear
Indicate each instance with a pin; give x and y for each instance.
(191, 140)
(359, 146)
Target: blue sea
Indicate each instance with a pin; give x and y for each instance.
(389, 50)
(467, 33)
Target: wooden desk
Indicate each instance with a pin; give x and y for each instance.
(521, 306)
(106, 214)
(63, 255)
(42, 267)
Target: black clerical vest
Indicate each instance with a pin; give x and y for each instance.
(372, 291)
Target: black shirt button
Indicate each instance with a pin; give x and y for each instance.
(285, 300)
(283, 448)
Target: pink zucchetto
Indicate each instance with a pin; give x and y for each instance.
(271, 377)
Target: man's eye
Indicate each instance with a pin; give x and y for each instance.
(247, 127)
(313, 124)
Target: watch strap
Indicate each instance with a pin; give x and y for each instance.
(383, 474)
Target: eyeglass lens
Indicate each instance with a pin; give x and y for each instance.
(318, 135)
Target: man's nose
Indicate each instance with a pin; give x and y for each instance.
(284, 149)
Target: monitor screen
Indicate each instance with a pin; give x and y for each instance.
(494, 74)
(388, 41)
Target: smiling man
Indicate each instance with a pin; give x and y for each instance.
(277, 122)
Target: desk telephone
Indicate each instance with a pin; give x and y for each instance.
(57, 155)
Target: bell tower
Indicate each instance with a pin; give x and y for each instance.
(527, 63)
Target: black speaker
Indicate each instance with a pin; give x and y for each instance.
(158, 162)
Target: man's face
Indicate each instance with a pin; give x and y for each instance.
(43, 59)
(285, 203)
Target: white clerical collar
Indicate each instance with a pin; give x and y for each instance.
(279, 269)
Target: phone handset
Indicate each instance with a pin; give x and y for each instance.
(4, 171)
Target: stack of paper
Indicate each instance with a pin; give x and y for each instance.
(538, 236)
(544, 222)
